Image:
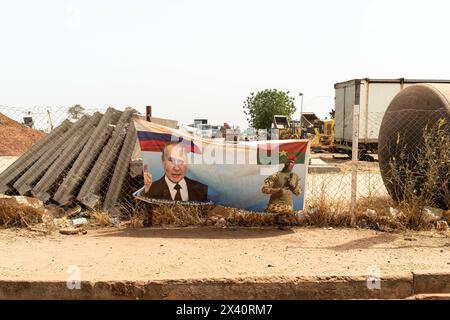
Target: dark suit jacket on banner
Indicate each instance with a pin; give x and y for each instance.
(196, 191)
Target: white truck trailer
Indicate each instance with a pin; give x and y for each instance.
(373, 97)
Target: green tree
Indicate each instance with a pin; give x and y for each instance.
(262, 106)
(76, 111)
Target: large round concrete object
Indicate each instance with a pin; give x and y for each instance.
(411, 110)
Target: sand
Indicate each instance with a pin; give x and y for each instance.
(15, 139)
(203, 252)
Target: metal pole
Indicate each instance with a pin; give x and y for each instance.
(50, 121)
(148, 113)
(355, 140)
(301, 116)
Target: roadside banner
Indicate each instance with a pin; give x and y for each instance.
(212, 170)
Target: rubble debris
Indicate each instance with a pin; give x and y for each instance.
(395, 213)
(220, 212)
(114, 221)
(221, 223)
(312, 211)
(54, 210)
(300, 215)
(69, 231)
(212, 221)
(20, 210)
(21, 201)
(433, 214)
(79, 222)
(73, 212)
(61, 223)
(446, 215)
(370, 213)
(441, 226)
(41, 230)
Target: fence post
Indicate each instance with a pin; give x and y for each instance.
(355, 140)
(148, 113)
(50, 122)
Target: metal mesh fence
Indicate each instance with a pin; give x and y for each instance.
(402, 155)
(370, 183)
(93, 158)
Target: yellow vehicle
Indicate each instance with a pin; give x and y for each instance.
(323, 135)
(284, 129)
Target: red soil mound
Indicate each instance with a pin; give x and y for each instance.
(16, 138)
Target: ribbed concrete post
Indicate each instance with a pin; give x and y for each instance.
(26, 182)
(83, 164)
(121, 169)
(64, 161)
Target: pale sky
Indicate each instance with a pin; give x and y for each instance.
(201, 59)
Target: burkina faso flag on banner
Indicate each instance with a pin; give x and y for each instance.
(269, 153)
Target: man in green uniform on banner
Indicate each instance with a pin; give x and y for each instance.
(281, 187)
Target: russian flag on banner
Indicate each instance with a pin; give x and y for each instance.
(155, 141)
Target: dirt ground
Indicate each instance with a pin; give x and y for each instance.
(120, 253)
(16, 138)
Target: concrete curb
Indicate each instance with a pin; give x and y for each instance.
(253, 288)
(436, 283)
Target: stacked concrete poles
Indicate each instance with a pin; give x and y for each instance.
(21, 165)
(27, 181)
(88, 161)
(43, 188)
(67, 191)
(91, 194)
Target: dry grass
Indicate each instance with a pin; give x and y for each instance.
(19, 215)
(329, 208)
(422, 179)
(250, 219)
(414, 218)
(322, 213)
(101, 218)
(327, 212)
(134, 212)
(380, 213)
(137, 219)
(180, 215)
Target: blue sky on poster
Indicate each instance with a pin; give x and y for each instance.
(200, 59)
